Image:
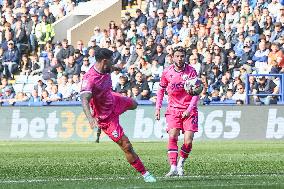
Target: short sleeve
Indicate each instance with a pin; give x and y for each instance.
(164, 82)
(87, 85)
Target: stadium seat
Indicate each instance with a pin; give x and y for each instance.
(28, 88)
(155, 87)
(21, 79)
(18, 87)
(34, 79)
(225, 102)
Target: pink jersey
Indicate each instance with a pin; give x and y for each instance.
(173, 82)
(100, 86)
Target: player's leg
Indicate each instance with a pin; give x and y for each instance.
(123, 103)
(133, 158)
(173, 151)
(133, 105)
(185, 150)
(190, 126)
(98, 135)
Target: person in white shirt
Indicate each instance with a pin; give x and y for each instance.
(240, 93)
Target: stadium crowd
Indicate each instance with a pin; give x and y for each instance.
(224, 41)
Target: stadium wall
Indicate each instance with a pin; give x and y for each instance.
(69, 123)
(85, 29)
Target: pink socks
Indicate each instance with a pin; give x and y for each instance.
(173, 151)
(138, 165)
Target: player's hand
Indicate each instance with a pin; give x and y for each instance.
(157, 114)
(185, 114)
(93, 123)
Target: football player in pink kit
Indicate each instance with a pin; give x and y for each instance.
(181, 113)
(103, 107)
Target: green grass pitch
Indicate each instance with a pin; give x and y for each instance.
(214, 164)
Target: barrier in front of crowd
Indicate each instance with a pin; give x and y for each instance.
(59, 123)
(281, 87)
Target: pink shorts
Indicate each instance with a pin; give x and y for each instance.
(111, 125)
(174, 120)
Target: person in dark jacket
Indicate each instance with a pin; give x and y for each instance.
(65, 52)
(11, 59)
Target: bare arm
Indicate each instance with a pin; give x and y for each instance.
(85, 98)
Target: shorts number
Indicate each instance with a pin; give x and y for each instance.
(194, 120)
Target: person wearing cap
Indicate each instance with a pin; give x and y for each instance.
(277, 32)
(8, 95)
(141, 18)
(11, 58)
(246, 58)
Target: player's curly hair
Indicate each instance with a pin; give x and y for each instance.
(179, 49)
(103, 53)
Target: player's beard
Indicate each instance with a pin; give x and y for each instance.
(107, 69)
(179, 65)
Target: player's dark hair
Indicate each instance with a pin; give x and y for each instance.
(103, 53)
(179, 49)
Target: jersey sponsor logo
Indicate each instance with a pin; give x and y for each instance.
(114, 134)
(189, 76)
(177, 86)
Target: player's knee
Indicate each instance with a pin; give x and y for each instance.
(134, 105)
(188, 141)
(127, 147)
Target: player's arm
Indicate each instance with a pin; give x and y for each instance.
(85, 98)
(160, 95)
(194, 100)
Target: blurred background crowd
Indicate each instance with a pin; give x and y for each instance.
(224, 40)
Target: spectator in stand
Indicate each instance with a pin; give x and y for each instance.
(159, 55)
(135, 94)
(64, 53)
(25, 65)
(240, 93)
(86, 64)
(116, 56)
(11, 60)
(36, 65)
(40, 86)
(98, 36)
(260, 58)
(64, 88)
(44, 96)
(265, 86)
(34, 97)
(144, 89)
(123, 85)
(49, 16)
(54, 95)
(7, 95)
(44, 32)
(145, 67)
(71, 68)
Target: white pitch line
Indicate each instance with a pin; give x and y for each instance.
(128, 178)
(207, 185)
